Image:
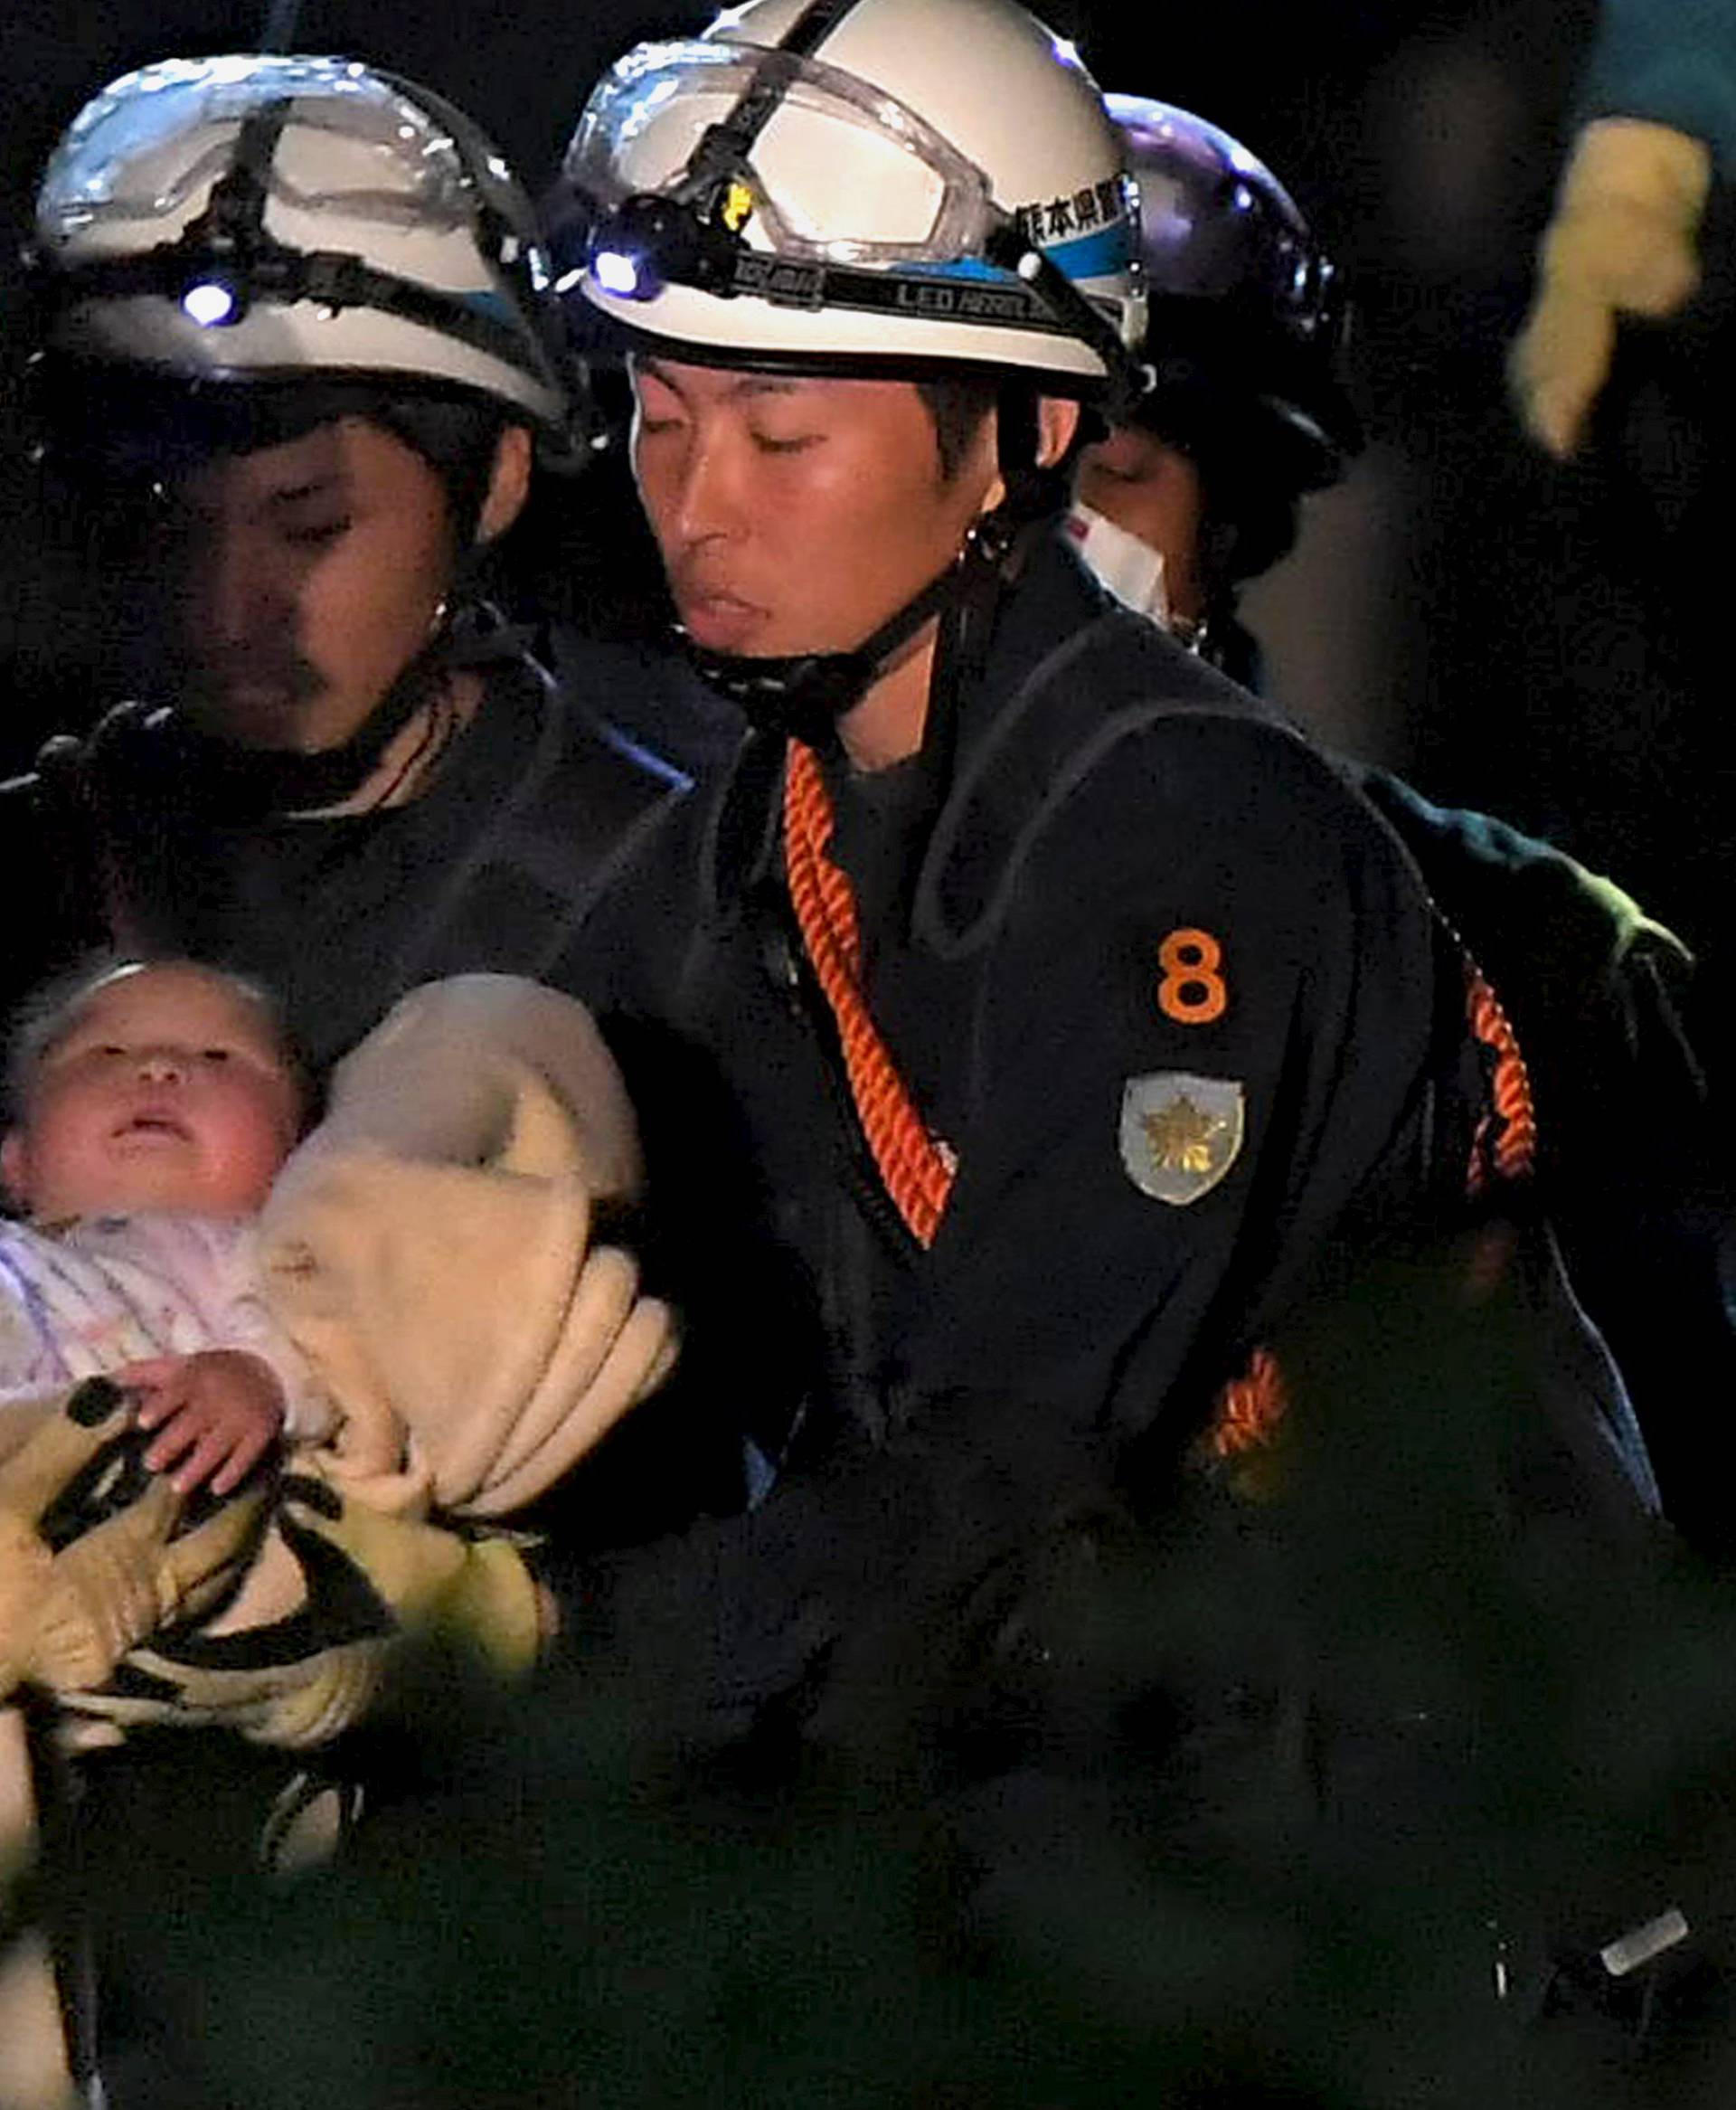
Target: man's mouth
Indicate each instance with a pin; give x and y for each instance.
(715, 619)
(255, 698)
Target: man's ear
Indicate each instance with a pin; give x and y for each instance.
(12, 1169)
(509, 484)
(1057, 423)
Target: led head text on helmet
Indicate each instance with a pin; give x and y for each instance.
(262, 217)
(717, 167)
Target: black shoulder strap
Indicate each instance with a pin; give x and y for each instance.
(1133, 674)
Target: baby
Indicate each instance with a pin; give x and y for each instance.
(152, 1104)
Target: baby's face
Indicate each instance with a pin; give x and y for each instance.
(167, 1089)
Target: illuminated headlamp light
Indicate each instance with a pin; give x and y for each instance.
(213, 303)
(649, 242)
(618, 271)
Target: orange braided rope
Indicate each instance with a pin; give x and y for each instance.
(1249, 1408)
(1515, 1119)
(915, 1168)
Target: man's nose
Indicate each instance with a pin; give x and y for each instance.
(241, 584)
(708, 496)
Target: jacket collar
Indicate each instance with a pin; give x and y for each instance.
(1019, 724)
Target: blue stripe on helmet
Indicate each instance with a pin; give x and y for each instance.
(1094, 256)
(1087, 256)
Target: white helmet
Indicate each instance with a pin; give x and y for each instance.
(264, 218)
(869, 185)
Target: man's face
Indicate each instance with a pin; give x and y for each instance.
(1132, 478)
(795, 515)
(314, 572)
(167, 1088)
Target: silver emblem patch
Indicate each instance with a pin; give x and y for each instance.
(1180, 1134)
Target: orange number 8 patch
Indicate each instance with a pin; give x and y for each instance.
(1193, 991)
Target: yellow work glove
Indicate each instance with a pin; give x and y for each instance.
(96, 1554)
(1624, 240)
(473, 1593)
(368, 1581)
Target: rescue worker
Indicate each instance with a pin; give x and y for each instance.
(300, 308)
(1200, 489)
(1203, 490)
(1042, 1103)
(1086, 1024)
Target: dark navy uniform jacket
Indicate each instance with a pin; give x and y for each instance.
(495, 865)
(1108, 792)
(1309, 1651)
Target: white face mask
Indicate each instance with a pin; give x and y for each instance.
(1131, 569)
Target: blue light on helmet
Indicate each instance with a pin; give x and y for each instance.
(211, 303)
(619, 273)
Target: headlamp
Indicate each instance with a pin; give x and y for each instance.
(649, 242)
(213, 303)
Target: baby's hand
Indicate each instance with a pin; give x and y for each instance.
(219, 1410)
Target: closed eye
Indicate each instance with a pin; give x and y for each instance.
(317, 534)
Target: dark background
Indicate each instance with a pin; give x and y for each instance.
(1512, 634)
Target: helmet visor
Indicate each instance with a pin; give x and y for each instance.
(839, 173)
(156, 140)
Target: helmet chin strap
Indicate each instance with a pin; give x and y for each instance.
(245, 784)
(241, 785)
(804, 695)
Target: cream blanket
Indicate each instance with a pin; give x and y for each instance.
(430, 1249)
